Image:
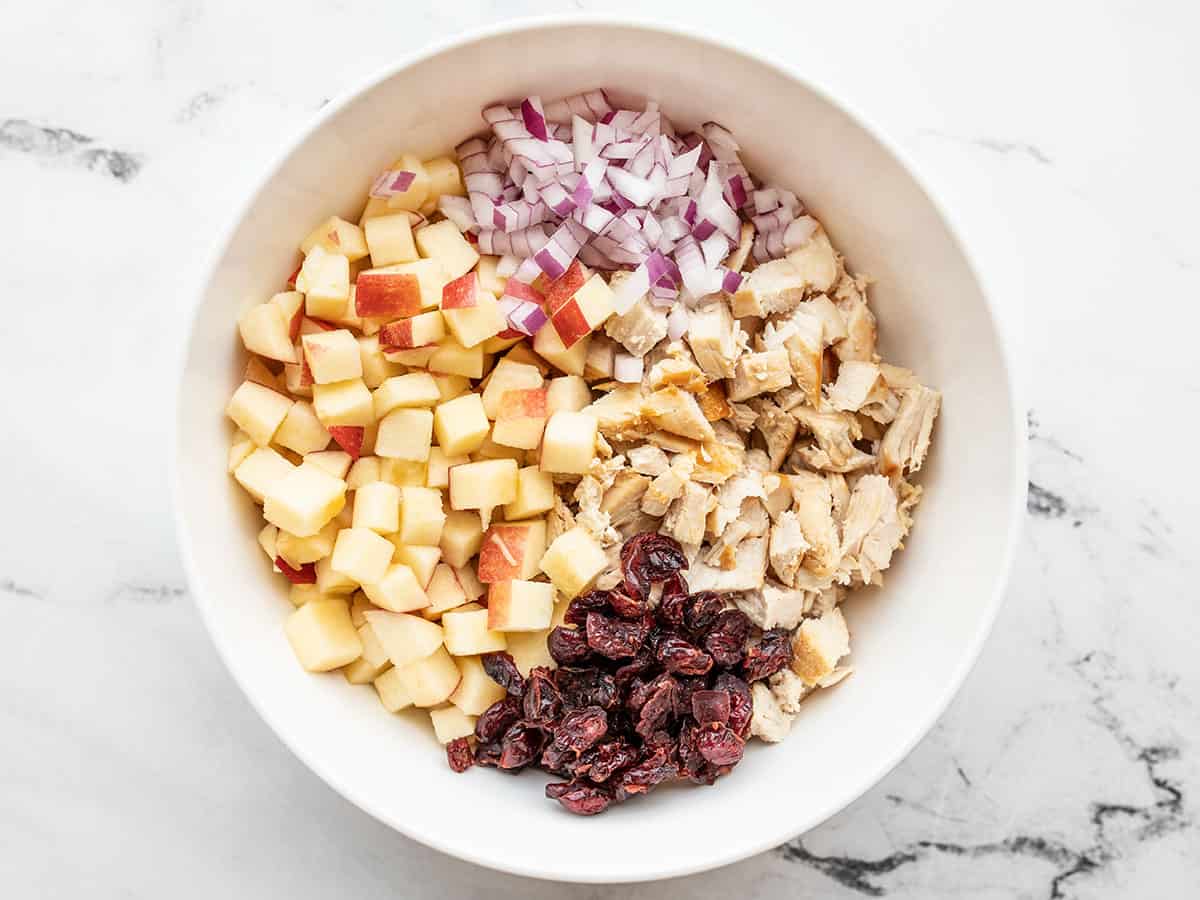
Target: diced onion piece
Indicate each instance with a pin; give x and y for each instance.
(627, 368)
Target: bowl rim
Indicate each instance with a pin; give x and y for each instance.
(1007, 355)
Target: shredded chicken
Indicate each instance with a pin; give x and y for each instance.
(713, 338)
(746, 575)
(778, 429)
(774, 605)
(760, 373)
(872, 531)
(686, 517)
(861, 387)
(787, 547)
(817, 262)
(640, 328)
(648, 459)
(907, 439)
(560, 520)
(774, 287)
(813, 501)
(818, 645)
(860, 322)
(675, 410)
(623, 497)
(835, 433)
(664, 489)
(618, 413)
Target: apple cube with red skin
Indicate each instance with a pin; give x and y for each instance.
(306, 573)
(550, 347)
(387, 294)
(507, 376)
(535, 495)
(266, 331)
(423, 330)
(291, 304)
(349, 438)
(584, 312)
(444, 592)
(519, 605)
(462, 536)
(564, 287)
(521, 418)
(430, 275)
(512, 551)
(322, 635)
(461, 293)
(332, 356)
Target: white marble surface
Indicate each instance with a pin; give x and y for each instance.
(130, 766)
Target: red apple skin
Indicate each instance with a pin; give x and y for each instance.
(348, 437)
(291, 282)
(294, 325)
(499, 604)
(564, 287)
(523, 403)
(257, 371)
(570, 323)
(398, 336)
(387, 294)
(306, 574)
(461, 293)
(523, 291)
(493, 566)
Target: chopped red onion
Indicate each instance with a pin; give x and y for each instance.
(799, 232)
(535, 119)
(507, 265)
(627, 368)
(458, 211)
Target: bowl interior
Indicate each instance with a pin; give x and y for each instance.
(913, 641)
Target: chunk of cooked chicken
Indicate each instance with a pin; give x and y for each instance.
(814, 510)
(665, 488)
(639, 523)
(818, 645)
(735, 260)
(713, 337)
(801, 336)
(760, 373)
(778, 429)
(835, 433)
(560, 520)
(774, 287)
(872, 531)
(909, 496)
(787, 547)
(742, 416)
(675, 410)
(745, 484)
(860, 322)
(767, 720)
(640, 328)
(897, 377)
(779, 494)
(601, 352)
(833, 323)
(648, 459)
(861, 387)
(788, 689)
(839, 490)
(623, 498)
(774, 605)
(687, 514)
(682, 373)
(720, 459)
(713, 403)
(906, 442)
(589, 496)
(816, 262)
(747, 574)
(618, 413)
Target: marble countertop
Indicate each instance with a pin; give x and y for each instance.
(1069, 766)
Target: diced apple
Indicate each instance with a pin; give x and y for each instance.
(470, 582)
(476, 690)
(488, 279)
(569, 443)
(403, 472)
(258, 411)
(261, 471)
(417, 189)
(508, 376)
(499, 344)
(373, 662)
(416, 359)
(291, 304)
(444, 591)
(304, 499)
(377, 507)
(420, 331)
(569, 392)
(359, 607)
(535, 495)
(415, 389)
(452, 358)
(361, 554)
(322, 636)
(324, 277)
(444, 177)
(584, 312)
(390, 239)
(398, 590)
(266, 331)
(467, 633)
(489, 449)
(296, 551)
(405, 638)
(364, 471)
(483, 485)
(548, 345)
(376, 368)
(343, 403)
(241, 447)
(528, 649)
(268, 540)
(431, 680)
(422, 560)
(296, 377)
(474, 323)
(349, 437)
(444, 242)
(421, 516)
(523, 353)
(574, 561)
(601, 358)
(405, 434)
(438, 472)
(301, 430)
(462, 535)
(431, 278)
(331, 582)
(460, 424)
(521, 418)
(512, 551)
(387, 295)
(391, 692)
(335, 462)
(337, 236)
(449, 723)
(299, 594)
(450, 386)
(332, 356)
(520, 605)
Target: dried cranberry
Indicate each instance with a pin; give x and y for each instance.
(502, 670)
(559, 760)
(701, 611)
(542, 704)
(711, 707)
(655, 768)
(488, 754)
(577, 609)
(497, 718)
(658, 706)
(741, 706)
(677, 655)
(721, 747)
(585, 687)
(580, 798)
(604, 760)
(771, 654)
(673, 601)
(625, 674)
(627, 607)
(691, 762)
(458, 754)
(726, 642)
(581, 728)
(520, 746)
(615, 638)
(649, 557)
(568, 646)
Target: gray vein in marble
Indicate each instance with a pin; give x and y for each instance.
(13, 589)
(997, 145)
(201, 102)
(1045, 504)
(67, 146)
(1035, 435)
(131, 594)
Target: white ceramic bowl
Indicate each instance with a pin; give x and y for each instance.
(914, 641)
